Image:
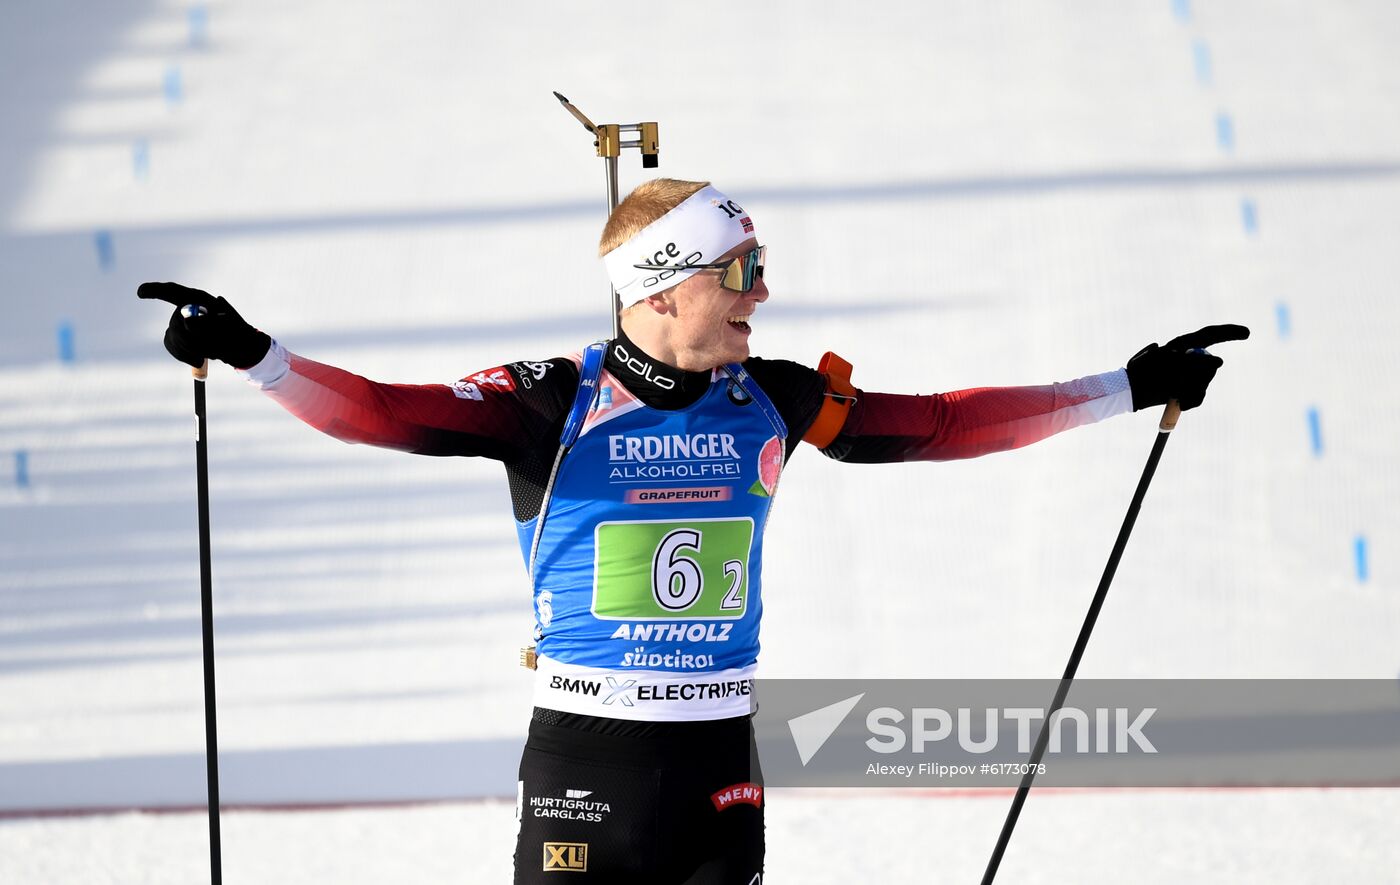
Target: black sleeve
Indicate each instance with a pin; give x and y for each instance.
(797, 392)
(546, 391)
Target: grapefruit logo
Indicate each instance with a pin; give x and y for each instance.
(770, 464)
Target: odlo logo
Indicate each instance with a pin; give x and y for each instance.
(571, 856)
(643, 368)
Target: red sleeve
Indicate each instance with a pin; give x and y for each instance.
(482, 414)
(885, 427)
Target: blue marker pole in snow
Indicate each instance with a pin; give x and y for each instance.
(1315, 431)
(22, 469)
(1224, 132)
(173, 86)
(199, 26)
(1249, 216)
(1200, 58)
(106, 253)
(65, 342)
(140, 159)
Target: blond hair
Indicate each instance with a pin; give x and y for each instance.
(648, 201)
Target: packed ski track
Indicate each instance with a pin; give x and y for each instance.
(953, 196)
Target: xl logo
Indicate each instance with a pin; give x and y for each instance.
(566, 856)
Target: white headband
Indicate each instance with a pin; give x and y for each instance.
(698, 231)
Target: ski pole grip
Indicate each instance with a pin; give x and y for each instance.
(199, 373)
(1170, 416)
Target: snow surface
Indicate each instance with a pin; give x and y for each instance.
(956, 195)
(1141, 837)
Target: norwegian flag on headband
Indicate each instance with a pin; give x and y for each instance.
(747, 222)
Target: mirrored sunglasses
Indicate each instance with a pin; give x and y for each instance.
(738, 274)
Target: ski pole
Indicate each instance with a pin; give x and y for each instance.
(206, 614)
(1164, 429)
(607, 138)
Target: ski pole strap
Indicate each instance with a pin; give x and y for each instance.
(839, 398)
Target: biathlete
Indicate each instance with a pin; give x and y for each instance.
(641, 472)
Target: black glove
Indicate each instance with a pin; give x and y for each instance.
(218, 333)
(1180, 370)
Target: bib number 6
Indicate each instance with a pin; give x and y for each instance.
(677, 580)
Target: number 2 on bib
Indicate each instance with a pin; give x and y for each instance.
(666, 570)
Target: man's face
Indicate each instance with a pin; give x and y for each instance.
(703, 331)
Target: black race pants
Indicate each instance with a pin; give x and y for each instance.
(664, 803)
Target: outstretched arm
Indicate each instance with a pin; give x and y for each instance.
(497, 413)
(483, 414)
(883, 427)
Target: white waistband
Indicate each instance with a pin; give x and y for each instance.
(647, 695)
